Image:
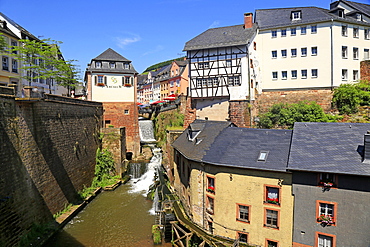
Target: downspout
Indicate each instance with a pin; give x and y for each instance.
(249, 87)
(331, 56)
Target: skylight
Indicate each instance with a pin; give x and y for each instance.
(262, 156)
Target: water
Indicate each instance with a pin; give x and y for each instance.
(123, 217)
(146, 131)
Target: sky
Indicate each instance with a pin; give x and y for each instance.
(145, 32)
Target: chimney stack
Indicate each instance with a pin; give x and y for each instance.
(367, 147)
(248, 20)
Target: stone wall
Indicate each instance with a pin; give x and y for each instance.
(365, 70)
(239, 113)
(114, 139)
(122, 114)
(48, 148)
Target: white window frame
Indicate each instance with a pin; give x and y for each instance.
(294, 74)
(344, 52)
(284, 75)
(314, 73)
(366, 54)
(344, 30)
(304, 51)
(293, 52)
(355, 75)
(303, 30)
(273, 33)
(284, 53)
(366, 33)
(313, 28)
(344, 74)
(304, 74)
(324, 241)
(296, 15)
(283, 32)
(356, 32)
(98, 64)
(293, 31)
(274, 75)
(355, 53)
(314, 51)
(274, 54)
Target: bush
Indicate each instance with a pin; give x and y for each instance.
(285, 115)
(348, 97)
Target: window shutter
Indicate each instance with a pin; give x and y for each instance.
(95, 79)
(105, 80)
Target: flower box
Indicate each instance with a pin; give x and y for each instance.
(273, 200)
(127, 85)
(326, 184)
(326, 219)
(100, 84)
(211, 189)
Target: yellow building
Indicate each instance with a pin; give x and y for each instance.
(233, 182)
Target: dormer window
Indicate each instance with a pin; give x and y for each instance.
(112, 65)
(341, 13)
(126, 66)
(193, 134)
(358, 17)
(98, 64)
(296, 15)
(262, 156)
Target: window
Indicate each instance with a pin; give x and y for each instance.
(171, 83)
(355, 53)
(14, 66)
(324, 240)
(293, 31)
(344, 51)
(228, 63)
(355, 32)
(128, 81)
(199, 83)
(211, 184)
(303, 30)
(344, 31)
(215, 81)
(177, 83)
(366, 54)
(210, 205)
(255, 46)
(344, 74)
(273, 34)
(283, 32)
(206, 65)
(274, 75)
(126, 66)
(272, 195)
(355, 75)
(314, 51)
(271, 243)
(294, 52)
(326, 212)
(126, 112)
(14, 43)
(233, 81)
(303, 73)
(98, 64)
(327, 179)
(263, 154)
(284, 75)
(366, 33)
(341, 13)
(243, 237)
(314, 73)
(283, 53)
(112, 65)
(271, 218)
(313, 29)
(242, 213)
(303, 51)
(274, 54)
(358, 17)
(296, 15)
(294, 74)
(5, 63)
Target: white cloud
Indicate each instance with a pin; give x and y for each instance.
(122, 42)
(157, 49)
(215, 24)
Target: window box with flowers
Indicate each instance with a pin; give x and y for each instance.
(211, 189)
(327, 184)
(326, 220)
(100, 84)
(211, 184)
(127, 85)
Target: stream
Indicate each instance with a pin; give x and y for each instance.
(123, 217)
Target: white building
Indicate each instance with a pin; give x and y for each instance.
(304, 51)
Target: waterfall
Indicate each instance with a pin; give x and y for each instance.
(146, 131)
(142, 184)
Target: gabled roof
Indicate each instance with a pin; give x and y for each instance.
(221, 37)
(221, 143)
(241, 147)
(111, 55)
(195, 150)
(329, 147)
(281, 17)
(361, 7)
(19, 27)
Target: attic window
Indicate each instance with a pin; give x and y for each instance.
(341, 13)
(359, 17)
(262, 156)
(98, 64)
(296, 15)
(193, 134)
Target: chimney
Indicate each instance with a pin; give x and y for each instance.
(248, 20)
(367, 147)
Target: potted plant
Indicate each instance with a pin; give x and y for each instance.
(211, 189)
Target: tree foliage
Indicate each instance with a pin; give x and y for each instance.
(284, 115)
(3, 43)
(104, 167)
(348, 97)
(43, 60)
(162, 64)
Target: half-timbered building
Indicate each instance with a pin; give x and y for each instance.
(219, 68)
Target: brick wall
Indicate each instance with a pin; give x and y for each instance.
(239, 113)
(47, 154)
(365, 70)
(114, 112)
(190, 113)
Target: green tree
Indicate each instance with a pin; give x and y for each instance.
(348, 97)
(3, 43)
(43, 60)
(284, 115)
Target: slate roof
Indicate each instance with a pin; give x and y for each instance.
(209, 131)
(329, 147)
(241, 147)
(221, 37)
(221, 143)
(111, 55)
(281, 17)
(19, 27)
